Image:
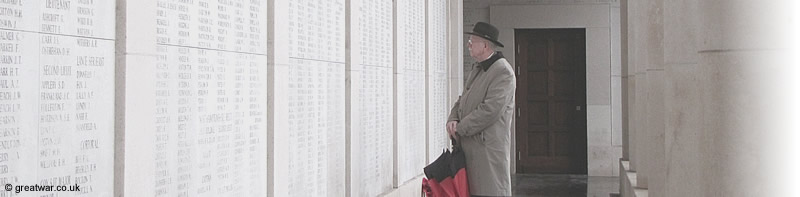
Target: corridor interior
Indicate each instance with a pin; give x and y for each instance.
(348, 98)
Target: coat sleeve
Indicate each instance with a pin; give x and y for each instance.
(500, 92)
(454, 112)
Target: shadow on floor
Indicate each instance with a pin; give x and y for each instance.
(564, 185)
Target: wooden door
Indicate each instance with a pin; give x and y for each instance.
(551, 101)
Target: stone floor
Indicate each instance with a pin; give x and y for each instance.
(564, 185)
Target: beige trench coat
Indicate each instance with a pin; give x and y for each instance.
(485, 111)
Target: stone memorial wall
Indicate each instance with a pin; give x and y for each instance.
(316, 97)
(410, 71)
(437, 79)
(372, 73)
(56, 95)
(175, 97)
(210, 98)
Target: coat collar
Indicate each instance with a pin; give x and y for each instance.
(485, 64)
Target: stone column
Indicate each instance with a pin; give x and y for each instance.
(617, 134)
(455, 60)
(278, 84)
(749, 97)
(455, 43)
(627, 100)
(639, 63)
(653, 131)
(135, 81)
(631, 72)
(625, 93)
(682, 108)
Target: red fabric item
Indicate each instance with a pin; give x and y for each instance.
(445, 188)
(426, 188)
(460, 183)
(448, 187)
(447, 175)
(436, 189)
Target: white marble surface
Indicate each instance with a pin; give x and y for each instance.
(372, 111)
(735, 24)
(637, 161)
(599, 127)
(61, 17)
(438, 109)
(191, 108)
(754, 160)
(210, 98)
(598, 66)
(653, 130)
(616, 112)
(316, 92)
(654, 133)
(56, 95)
(683, 117)
(410, 72)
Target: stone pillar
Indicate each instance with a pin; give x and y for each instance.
(278, 84)
(631, 72)
(617, 134)
(135, 75)
(653, 131)
(750, 93)
(625, 93)
(455, 61)
(638, 61)
(627, 100)
(682, 108)
(455, 43)
(640, 105)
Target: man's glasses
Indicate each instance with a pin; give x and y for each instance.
(470, 42)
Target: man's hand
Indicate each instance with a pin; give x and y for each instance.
(451, 128)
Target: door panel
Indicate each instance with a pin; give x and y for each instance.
(551, 119)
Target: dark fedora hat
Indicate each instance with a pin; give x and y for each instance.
(486, 31)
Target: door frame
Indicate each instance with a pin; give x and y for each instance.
(602, 33)
(582, 100)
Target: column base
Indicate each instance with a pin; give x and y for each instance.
(628, 186)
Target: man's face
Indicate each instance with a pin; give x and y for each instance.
(476, 46)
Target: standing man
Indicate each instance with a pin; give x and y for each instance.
(481, 118)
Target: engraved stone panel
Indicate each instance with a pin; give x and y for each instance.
(411, 88)
(372, 157)
(316, 98)
(57, 96)
(210, 98)
(439, 110)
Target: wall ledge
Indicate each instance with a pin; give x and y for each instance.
(412, 187)
(628, 186)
